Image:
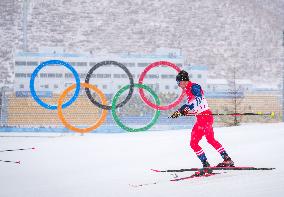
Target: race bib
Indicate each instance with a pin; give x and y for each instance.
(198, 105)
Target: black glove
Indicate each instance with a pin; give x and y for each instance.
(176, 114)
(185, 110)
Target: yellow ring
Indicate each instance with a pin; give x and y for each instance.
(80, 130)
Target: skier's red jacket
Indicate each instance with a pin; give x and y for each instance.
(196, 102)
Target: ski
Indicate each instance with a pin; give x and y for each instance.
(7, 161)
(195, 176)
(10, 150)
(176, 179)
(213, 168)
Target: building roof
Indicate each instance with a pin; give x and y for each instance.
(150, 56)
(225, 81)
(223, 95)
(31, 54)
(243, 81)
(197, 67)
(217, 81)
(55, 53)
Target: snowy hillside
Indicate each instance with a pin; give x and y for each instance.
(219, 34)
(104, 165)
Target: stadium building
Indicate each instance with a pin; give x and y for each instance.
(109, 78)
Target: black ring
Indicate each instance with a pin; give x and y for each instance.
(131, 89)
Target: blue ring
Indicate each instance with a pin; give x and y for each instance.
(32, 81)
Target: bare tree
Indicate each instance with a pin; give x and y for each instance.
(235, 93)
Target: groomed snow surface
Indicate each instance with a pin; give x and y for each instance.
(103, 165)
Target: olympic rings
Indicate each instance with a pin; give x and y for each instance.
(32, 83)
(84, 130)
(107, 63)
(119, 123)
(103, 106)
(142, 76)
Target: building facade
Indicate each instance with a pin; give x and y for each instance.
(108, 78)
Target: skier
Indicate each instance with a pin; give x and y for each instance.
(198, 106)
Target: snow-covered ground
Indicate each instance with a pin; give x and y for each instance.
(103, 165)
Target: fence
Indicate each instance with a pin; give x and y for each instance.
(24, 114)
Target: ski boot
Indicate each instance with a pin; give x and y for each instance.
(205, 171)
(228, 162)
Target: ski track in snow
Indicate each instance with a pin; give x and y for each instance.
(105, 164)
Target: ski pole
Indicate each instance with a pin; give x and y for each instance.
(7, 161)
(271, 114)
(17, 149)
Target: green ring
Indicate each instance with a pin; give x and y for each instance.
(117, 120)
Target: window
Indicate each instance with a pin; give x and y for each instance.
(43, 75)
(107, 75)
(143, 64)
(129, 64)
(20, 75)
(58, 75)
(199, 76)
(93, 63)
(100, 75)
(120, 76)
(69, 75)
(123, 75)
(82, 75)
(68, 84)
(72, 63)
(51, 75)
(167, 87)
(21, 86)
(152, 76)
(164, 76)
(55, 86)
(104, 86)
(20, 63)
(46, 86)
(167, 76)
(32, 63)
(81, 63)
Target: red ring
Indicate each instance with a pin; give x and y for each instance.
(141, 91)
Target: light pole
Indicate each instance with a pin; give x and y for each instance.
(283, 77)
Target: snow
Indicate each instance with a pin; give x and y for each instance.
(103, 165)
